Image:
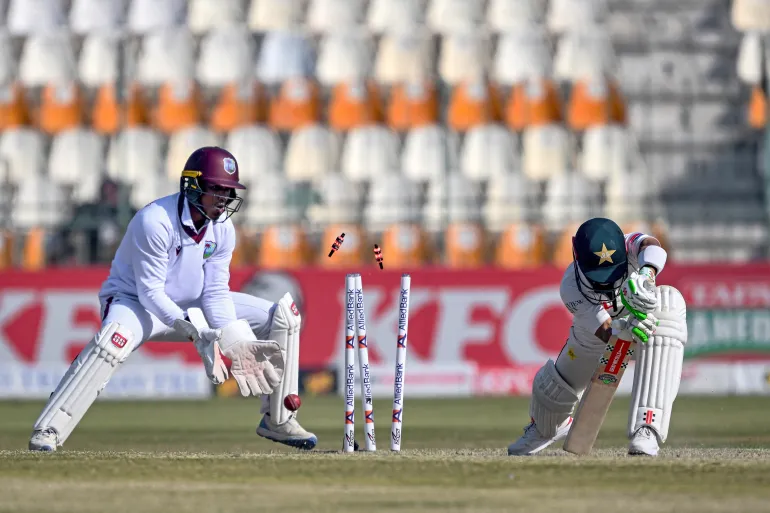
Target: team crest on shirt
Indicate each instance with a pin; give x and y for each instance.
(229, 165)
(209, 248)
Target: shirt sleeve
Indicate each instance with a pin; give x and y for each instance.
(216, 300)
(152, 242)
(633, 245)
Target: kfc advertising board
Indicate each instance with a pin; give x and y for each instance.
(470, 331)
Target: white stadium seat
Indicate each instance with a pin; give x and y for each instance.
(146, 16)
(98, 64)
(488, 150)
(226, 56)
(344, 56)
(453, 200)
(257, 150)
(570, 198)
(96, 16)
(389, 15)
(750, 66)
(521, 55)
(660, 71)
(269, 202)
(8, 67)
(751, 15)
(607, 151)
(77, 160)
(27, 17)
(181, 144)
(628, 197)
(507, 16)
(47, 58)
(452, 16)
(167, 55)
(151, 187)
(21, 153)
(565, 15)
(284, 55)
(269, 15)
(312, 152)
(584, 53)
(329, 16)
(464, 55)
(545, 151)
(205, 15)
(403, 55)
(393, 198)
(338, 201)
(368, 152)
(510, 199)
(39, 203)
(429, 153)
(134, 154)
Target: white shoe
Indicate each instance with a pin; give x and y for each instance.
(532, 442)
(644, 442)
(44, 440)
(289, 433)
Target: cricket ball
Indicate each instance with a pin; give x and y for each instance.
(292, 402)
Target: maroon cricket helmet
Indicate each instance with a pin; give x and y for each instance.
(211, 165)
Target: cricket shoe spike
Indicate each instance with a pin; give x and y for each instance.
(44, 440)
(289, 433)
(532, 442)
(644, 442)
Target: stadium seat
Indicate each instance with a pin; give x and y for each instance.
(353, 104)
(145, 16)
(151, 187)
(38, 202)
(226, 57)
(607, 151)
(344, 56)
(257, 150)
(464, 246)
(751, 15)
(532, 102)
(369, 151)
(570, 197)
(463, 56)
(312, 152)
(283, 247)
(412, 104)
(488, 150)
(205, 15)
(284, 55)
(757, 108)
(336, 200)
(8, 65)
(180, 105)
(562, 255)
(351, 253)
(135, 153)
(546, 151)
(27, 17)
(665, 71)
(7, 249)
(34, 257)
(582, 53)
(274, 15)
(47, 58)
(429, 153)
(271, 201)
(750, 66)
(108, 115)
(393, 199)
(404, 245)
(14, 111)
(330, 16)
(61, 107)
(76, 160)
(166, 55)
(521, 55)
(505, 16)
(452, 200)
(629, 197)
(452, 16)
(510, 199)
(388, 15)
(474, 102)
(239, 104)
(404, 56)
(521, 246)
(564, 15)
(182, 143)
(98, 63)
(96, 16)
(297, 105)
(595, 100)
(22, 151)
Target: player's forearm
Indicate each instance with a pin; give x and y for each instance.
(219, 308)
(157, 302)
(652, 256)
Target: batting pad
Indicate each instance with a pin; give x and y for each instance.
(658, 368)
(285, 331)
(85, 379)
(552, 400)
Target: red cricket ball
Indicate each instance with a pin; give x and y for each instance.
(292, 402)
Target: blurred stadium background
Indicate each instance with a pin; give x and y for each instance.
(467, 137)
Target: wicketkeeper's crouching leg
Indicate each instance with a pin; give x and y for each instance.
(657, 374)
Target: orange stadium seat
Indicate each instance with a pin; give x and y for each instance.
(354, 104)
(350, 253)
(6, 249)
(34, 257)
(179, 106)
(464, 245)
(472, 103)
(412, 105)
(61, 107)
(597, 101)
(404, 245)
(283, 247)
(562, 249)
(533, 103)
(13, 106)
(244, 253)
(239, 105)
(298, 104)
(106, 112)
(757, 108)
(521, 246)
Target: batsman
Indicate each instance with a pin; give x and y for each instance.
(610, 287)
(175, 256)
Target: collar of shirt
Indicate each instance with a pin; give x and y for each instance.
(185, 218)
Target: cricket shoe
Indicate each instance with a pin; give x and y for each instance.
(44, 440)
(644, 442)
(289, 433)
(532, 442)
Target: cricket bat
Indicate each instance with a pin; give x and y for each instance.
(596, 400)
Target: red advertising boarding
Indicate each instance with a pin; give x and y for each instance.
(501, 324)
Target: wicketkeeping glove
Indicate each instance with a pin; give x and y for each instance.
(257, 366)
(207, 344)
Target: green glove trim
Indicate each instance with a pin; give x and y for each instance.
(639, 315)
(640, 334)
